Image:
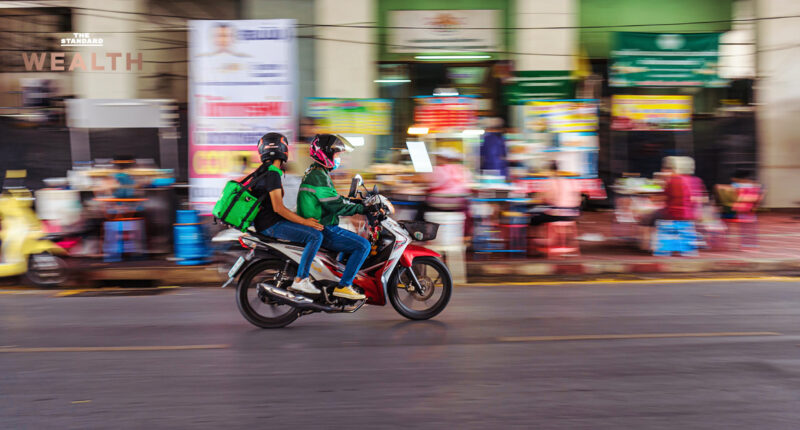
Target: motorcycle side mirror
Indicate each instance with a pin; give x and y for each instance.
(375, 189)
(354, 184)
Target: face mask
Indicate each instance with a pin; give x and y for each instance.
(336, 163)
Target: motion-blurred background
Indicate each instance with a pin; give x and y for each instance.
(530, 128)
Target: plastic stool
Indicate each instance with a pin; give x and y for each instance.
(675, 236)
(561, 239)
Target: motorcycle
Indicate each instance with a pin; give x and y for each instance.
(26, 250)
(412, 278)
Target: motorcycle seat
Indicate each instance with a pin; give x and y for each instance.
(270, 239)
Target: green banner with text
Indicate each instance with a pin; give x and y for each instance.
(665, 60)
(539, 85)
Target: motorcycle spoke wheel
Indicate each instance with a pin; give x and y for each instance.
(255, 306)
(436, 284)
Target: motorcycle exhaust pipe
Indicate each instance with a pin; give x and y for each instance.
(296, 300)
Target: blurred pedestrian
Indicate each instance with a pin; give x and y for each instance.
(493, 149)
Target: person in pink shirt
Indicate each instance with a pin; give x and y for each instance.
(561, 199)
(448, 184)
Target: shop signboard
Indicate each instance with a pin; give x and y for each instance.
(561, 116)
(665, 60)
(351, 116)
(566, 130)
(432, 31)
(241, 86)
(538, 85)
(440, 114)
(651, 113)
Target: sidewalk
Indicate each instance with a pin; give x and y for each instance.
(779, 250)
(603, 257)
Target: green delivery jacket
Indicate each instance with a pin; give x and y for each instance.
(318, 199)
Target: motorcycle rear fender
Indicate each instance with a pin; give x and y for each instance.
(413, 251)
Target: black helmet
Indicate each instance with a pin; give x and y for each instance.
(273, 146)
(324, 146)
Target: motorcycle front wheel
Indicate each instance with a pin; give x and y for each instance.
(47, 270)
(437, 286)
(256, 307)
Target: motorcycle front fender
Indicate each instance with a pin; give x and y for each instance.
(413, 251)
(42, 246)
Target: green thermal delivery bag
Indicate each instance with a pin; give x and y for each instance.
(236, 206)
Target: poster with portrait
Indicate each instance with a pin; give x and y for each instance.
(242, 84)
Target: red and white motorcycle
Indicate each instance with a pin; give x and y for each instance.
(413, 278)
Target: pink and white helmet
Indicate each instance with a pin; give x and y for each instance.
(324, 147)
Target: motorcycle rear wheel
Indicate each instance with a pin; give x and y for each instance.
(433, 274)
(249, 302)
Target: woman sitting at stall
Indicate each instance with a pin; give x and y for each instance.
(447, 186)
(684, 196)
(684, 193)
(561, 199)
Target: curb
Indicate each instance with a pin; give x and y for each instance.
(522, 271)
(477, 272)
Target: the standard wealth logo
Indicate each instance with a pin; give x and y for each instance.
(81, 39)
(86, 60)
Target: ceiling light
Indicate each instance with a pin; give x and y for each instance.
(452, 57)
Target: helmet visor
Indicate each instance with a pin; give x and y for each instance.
(342, 144)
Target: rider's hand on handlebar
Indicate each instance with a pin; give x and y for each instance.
(313, 223)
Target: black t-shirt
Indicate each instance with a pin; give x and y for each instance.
(267, 216)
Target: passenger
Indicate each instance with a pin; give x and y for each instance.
(274, 219)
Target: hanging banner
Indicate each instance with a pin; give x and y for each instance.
(351, 116)
(561, 116)
(542, 85)
(651, 113)
(665, 60)
(440, 114)
(432, 31)
(241, 86)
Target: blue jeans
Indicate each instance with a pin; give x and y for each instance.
(294, 232)
(335, 238)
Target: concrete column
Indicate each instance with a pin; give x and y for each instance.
(778, 98)
(347, 69)
(737, 51)
(560, 44)
(112, 28)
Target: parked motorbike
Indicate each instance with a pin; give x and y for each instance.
(25, 248)
(412, 278)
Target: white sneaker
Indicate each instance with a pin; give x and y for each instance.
(304, 286)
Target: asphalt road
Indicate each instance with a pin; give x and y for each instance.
(602, 356)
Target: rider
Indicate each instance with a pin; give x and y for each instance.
(318, 199)
(274, 219)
